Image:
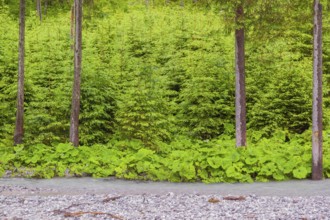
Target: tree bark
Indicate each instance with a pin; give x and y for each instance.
(317, 168)
(46, 6)
(19, 125)
(72, 25)
(74, 124)
(240, 99)
(39, 10)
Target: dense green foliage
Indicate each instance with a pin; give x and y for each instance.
(183, 160)
(159, 79)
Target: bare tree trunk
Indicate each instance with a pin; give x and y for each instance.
(39, 10)
(74, 124)
(46, 6)
(72, 25)
(317, 169)
(240, 102)
(19, 125)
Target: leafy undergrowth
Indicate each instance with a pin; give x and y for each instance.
(182, 160)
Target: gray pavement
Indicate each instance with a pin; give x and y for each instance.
(75, 186)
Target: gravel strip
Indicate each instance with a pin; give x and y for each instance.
(17, 202)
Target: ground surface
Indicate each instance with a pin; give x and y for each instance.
(87, 198)
(101, 186)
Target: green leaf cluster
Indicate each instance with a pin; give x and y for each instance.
(213, 161)
(8, 72)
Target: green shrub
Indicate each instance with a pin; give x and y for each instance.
(213, 161)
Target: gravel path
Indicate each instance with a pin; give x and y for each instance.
(46, 199)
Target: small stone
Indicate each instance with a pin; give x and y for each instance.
(213, 200)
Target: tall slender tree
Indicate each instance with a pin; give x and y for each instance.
(19, 125)
(75, 109)
(317, 94)
(240, 99)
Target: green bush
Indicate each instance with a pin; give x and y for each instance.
(213, 161)
(154, 73)
(8, 72)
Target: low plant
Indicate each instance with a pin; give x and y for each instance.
(208, 161)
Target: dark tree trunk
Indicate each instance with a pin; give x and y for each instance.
(317, 94)
(19, 125)
(74, 124)
(240, 102)
(39, 10)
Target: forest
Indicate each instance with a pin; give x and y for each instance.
(158, 90)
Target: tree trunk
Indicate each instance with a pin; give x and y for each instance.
(240, 102)
(74, 124)
(317, 94)
(72, 25)
(19, 125)
(39, 10)
(46, 6)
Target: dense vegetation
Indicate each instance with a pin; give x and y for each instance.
(158, 93)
